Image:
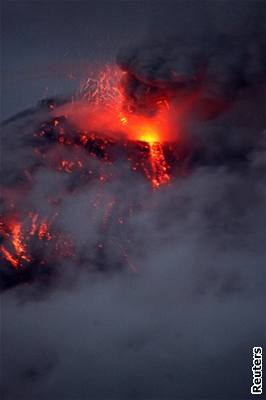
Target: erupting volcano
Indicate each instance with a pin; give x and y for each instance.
(100, 124)
(104, 134)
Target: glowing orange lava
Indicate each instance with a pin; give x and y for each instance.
(19, 236)
(159, 166)
(8, 256)
(148, 130)
(19, 247)
(103, 110)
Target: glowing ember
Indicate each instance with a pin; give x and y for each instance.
(103, 88)
(34, 218)
(43, 231)
(19, 237)
(8, 256)
(19, 247)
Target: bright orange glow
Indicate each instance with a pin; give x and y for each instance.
(149, 137)
(19, 247)
(103, 110)
(19, 238)
(148, 130)
(17, 242)
(8, 256)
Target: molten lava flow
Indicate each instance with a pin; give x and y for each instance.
(8, 256)
(17, 242)
(159, 166)
(19, 238)
(144, 131)
(18, 245)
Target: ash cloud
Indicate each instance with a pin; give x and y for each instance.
(177, 317)
(220, 63)
(223, 65)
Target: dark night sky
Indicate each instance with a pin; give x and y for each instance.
(44, 41)
(183, 327)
